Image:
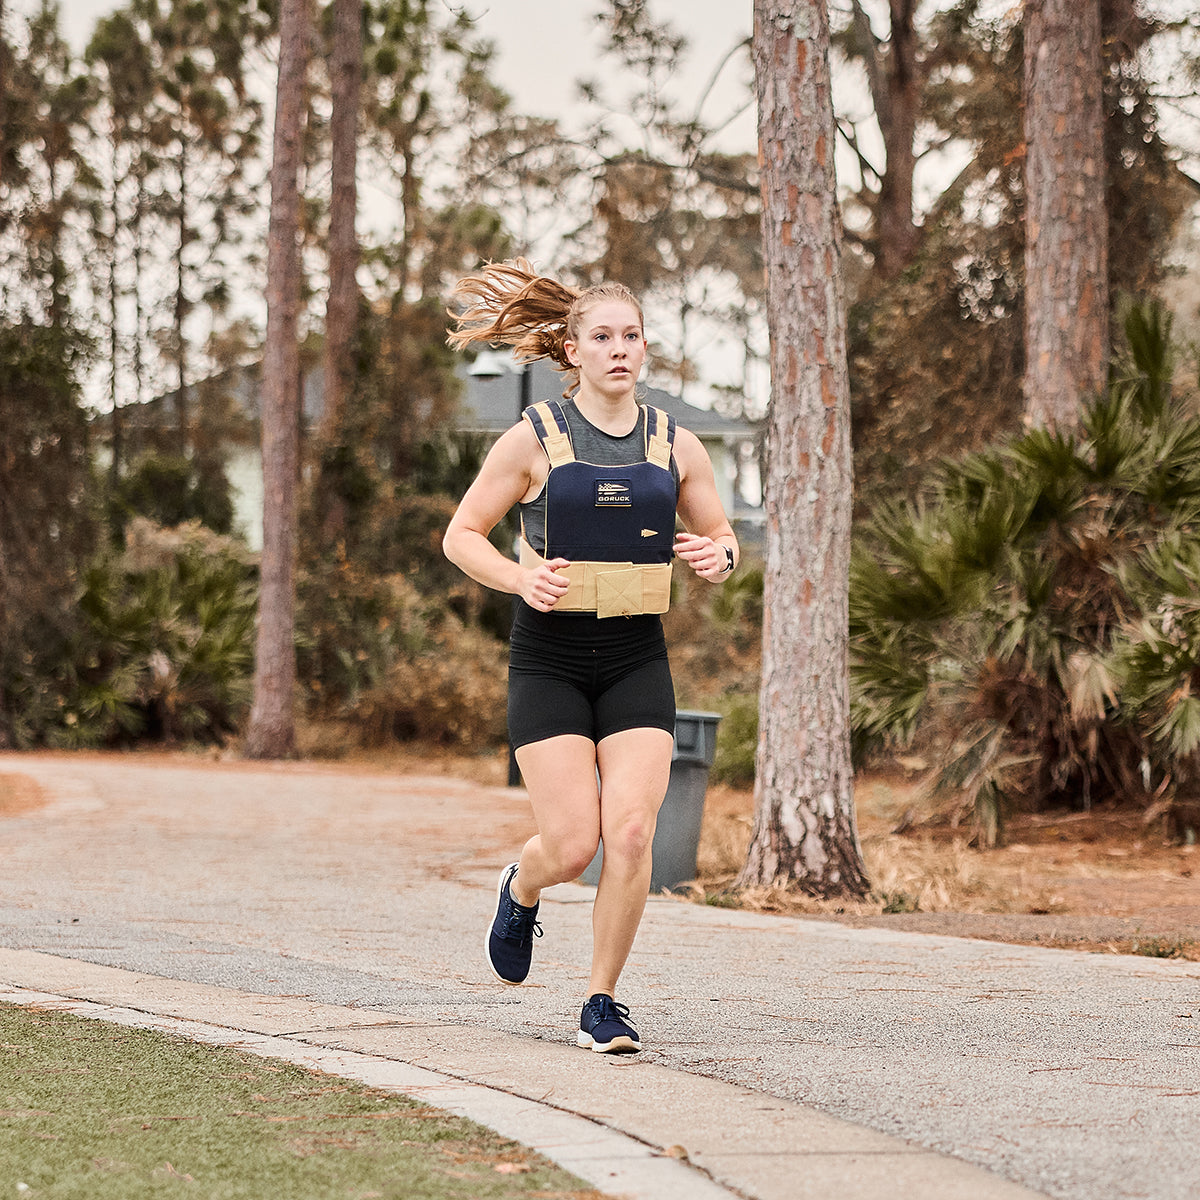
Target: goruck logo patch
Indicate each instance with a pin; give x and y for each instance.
(613, 493)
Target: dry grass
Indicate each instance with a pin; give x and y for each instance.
(906, 876)
(1101, 863)
(19, 794)
(334, 741)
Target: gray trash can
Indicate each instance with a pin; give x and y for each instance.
(677, 836)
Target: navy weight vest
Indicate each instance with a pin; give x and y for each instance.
(602, 513)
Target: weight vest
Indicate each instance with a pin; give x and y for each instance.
(616, 524)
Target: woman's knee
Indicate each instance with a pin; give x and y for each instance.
(570, 855)
(630, 839)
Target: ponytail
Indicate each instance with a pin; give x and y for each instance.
(508, 304)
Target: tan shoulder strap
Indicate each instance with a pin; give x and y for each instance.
(660, 437)
(550, 425)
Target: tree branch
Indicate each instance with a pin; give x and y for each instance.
(744, 44)
(874, 65)
(864, 163)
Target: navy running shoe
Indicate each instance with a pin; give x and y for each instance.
(603, 1027)
(510, 936)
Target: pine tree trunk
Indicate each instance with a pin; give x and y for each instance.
(117, 441)
(1066, 231)
(341, 311)
(183, 411)
(899, 236)
(272, 726)
(139, 317)
(804, 832)
(342, 308)
(896, 95)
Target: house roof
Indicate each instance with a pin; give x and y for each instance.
(242, 385)
(487, 405)
(491, 405)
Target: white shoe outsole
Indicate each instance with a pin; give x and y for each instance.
(619, 1045)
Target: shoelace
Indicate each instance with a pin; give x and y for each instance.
(608, 1009)
(521, 925)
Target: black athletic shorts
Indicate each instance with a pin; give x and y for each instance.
(579, 673)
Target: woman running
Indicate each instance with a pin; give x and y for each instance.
(600, 480)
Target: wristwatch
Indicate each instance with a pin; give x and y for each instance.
(728, 559)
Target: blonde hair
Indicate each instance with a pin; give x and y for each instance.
(509, 304)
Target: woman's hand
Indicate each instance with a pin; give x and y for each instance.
(705, 556)
(542, 587)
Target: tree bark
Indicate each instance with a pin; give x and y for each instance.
(183, 412)
(272, 725)
(804, 830)
(342, 309)
(117, 441)
(899, 236)
(1066, 232)
(896, 94)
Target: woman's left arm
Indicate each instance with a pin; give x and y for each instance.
(709, 533)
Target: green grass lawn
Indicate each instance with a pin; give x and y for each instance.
(90, 1111)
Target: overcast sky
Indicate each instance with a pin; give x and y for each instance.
(543, 46)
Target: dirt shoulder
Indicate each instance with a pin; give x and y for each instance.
(1100, 881)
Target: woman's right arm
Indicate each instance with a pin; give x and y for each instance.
(507, 476)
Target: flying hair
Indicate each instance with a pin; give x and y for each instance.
(509, 304)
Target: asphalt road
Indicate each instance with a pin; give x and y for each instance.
(1074, 1074)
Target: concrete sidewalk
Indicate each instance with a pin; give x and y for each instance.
(337, 911)
(649, 1133)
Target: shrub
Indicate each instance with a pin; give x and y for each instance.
(47, 526)
(171, 490)
(453, 693)
(715, 635)
(1031, 619)
(163, 647)
(377, 654)
(351, 625)
(737, 740)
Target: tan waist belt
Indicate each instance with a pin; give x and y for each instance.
(610, 589)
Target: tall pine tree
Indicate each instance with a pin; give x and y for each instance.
(804, 830)
(272, 722)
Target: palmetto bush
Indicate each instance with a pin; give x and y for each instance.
(1156, 661)
(162, 648)
(1031, 623)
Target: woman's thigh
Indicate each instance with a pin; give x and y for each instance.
(560, 777)
(642, 697)
(635, 768)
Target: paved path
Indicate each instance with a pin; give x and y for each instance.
(791, 1058)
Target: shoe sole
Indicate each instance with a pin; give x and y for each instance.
(619, 1045)
(487, 937)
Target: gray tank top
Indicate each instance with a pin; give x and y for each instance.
(591, 445)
